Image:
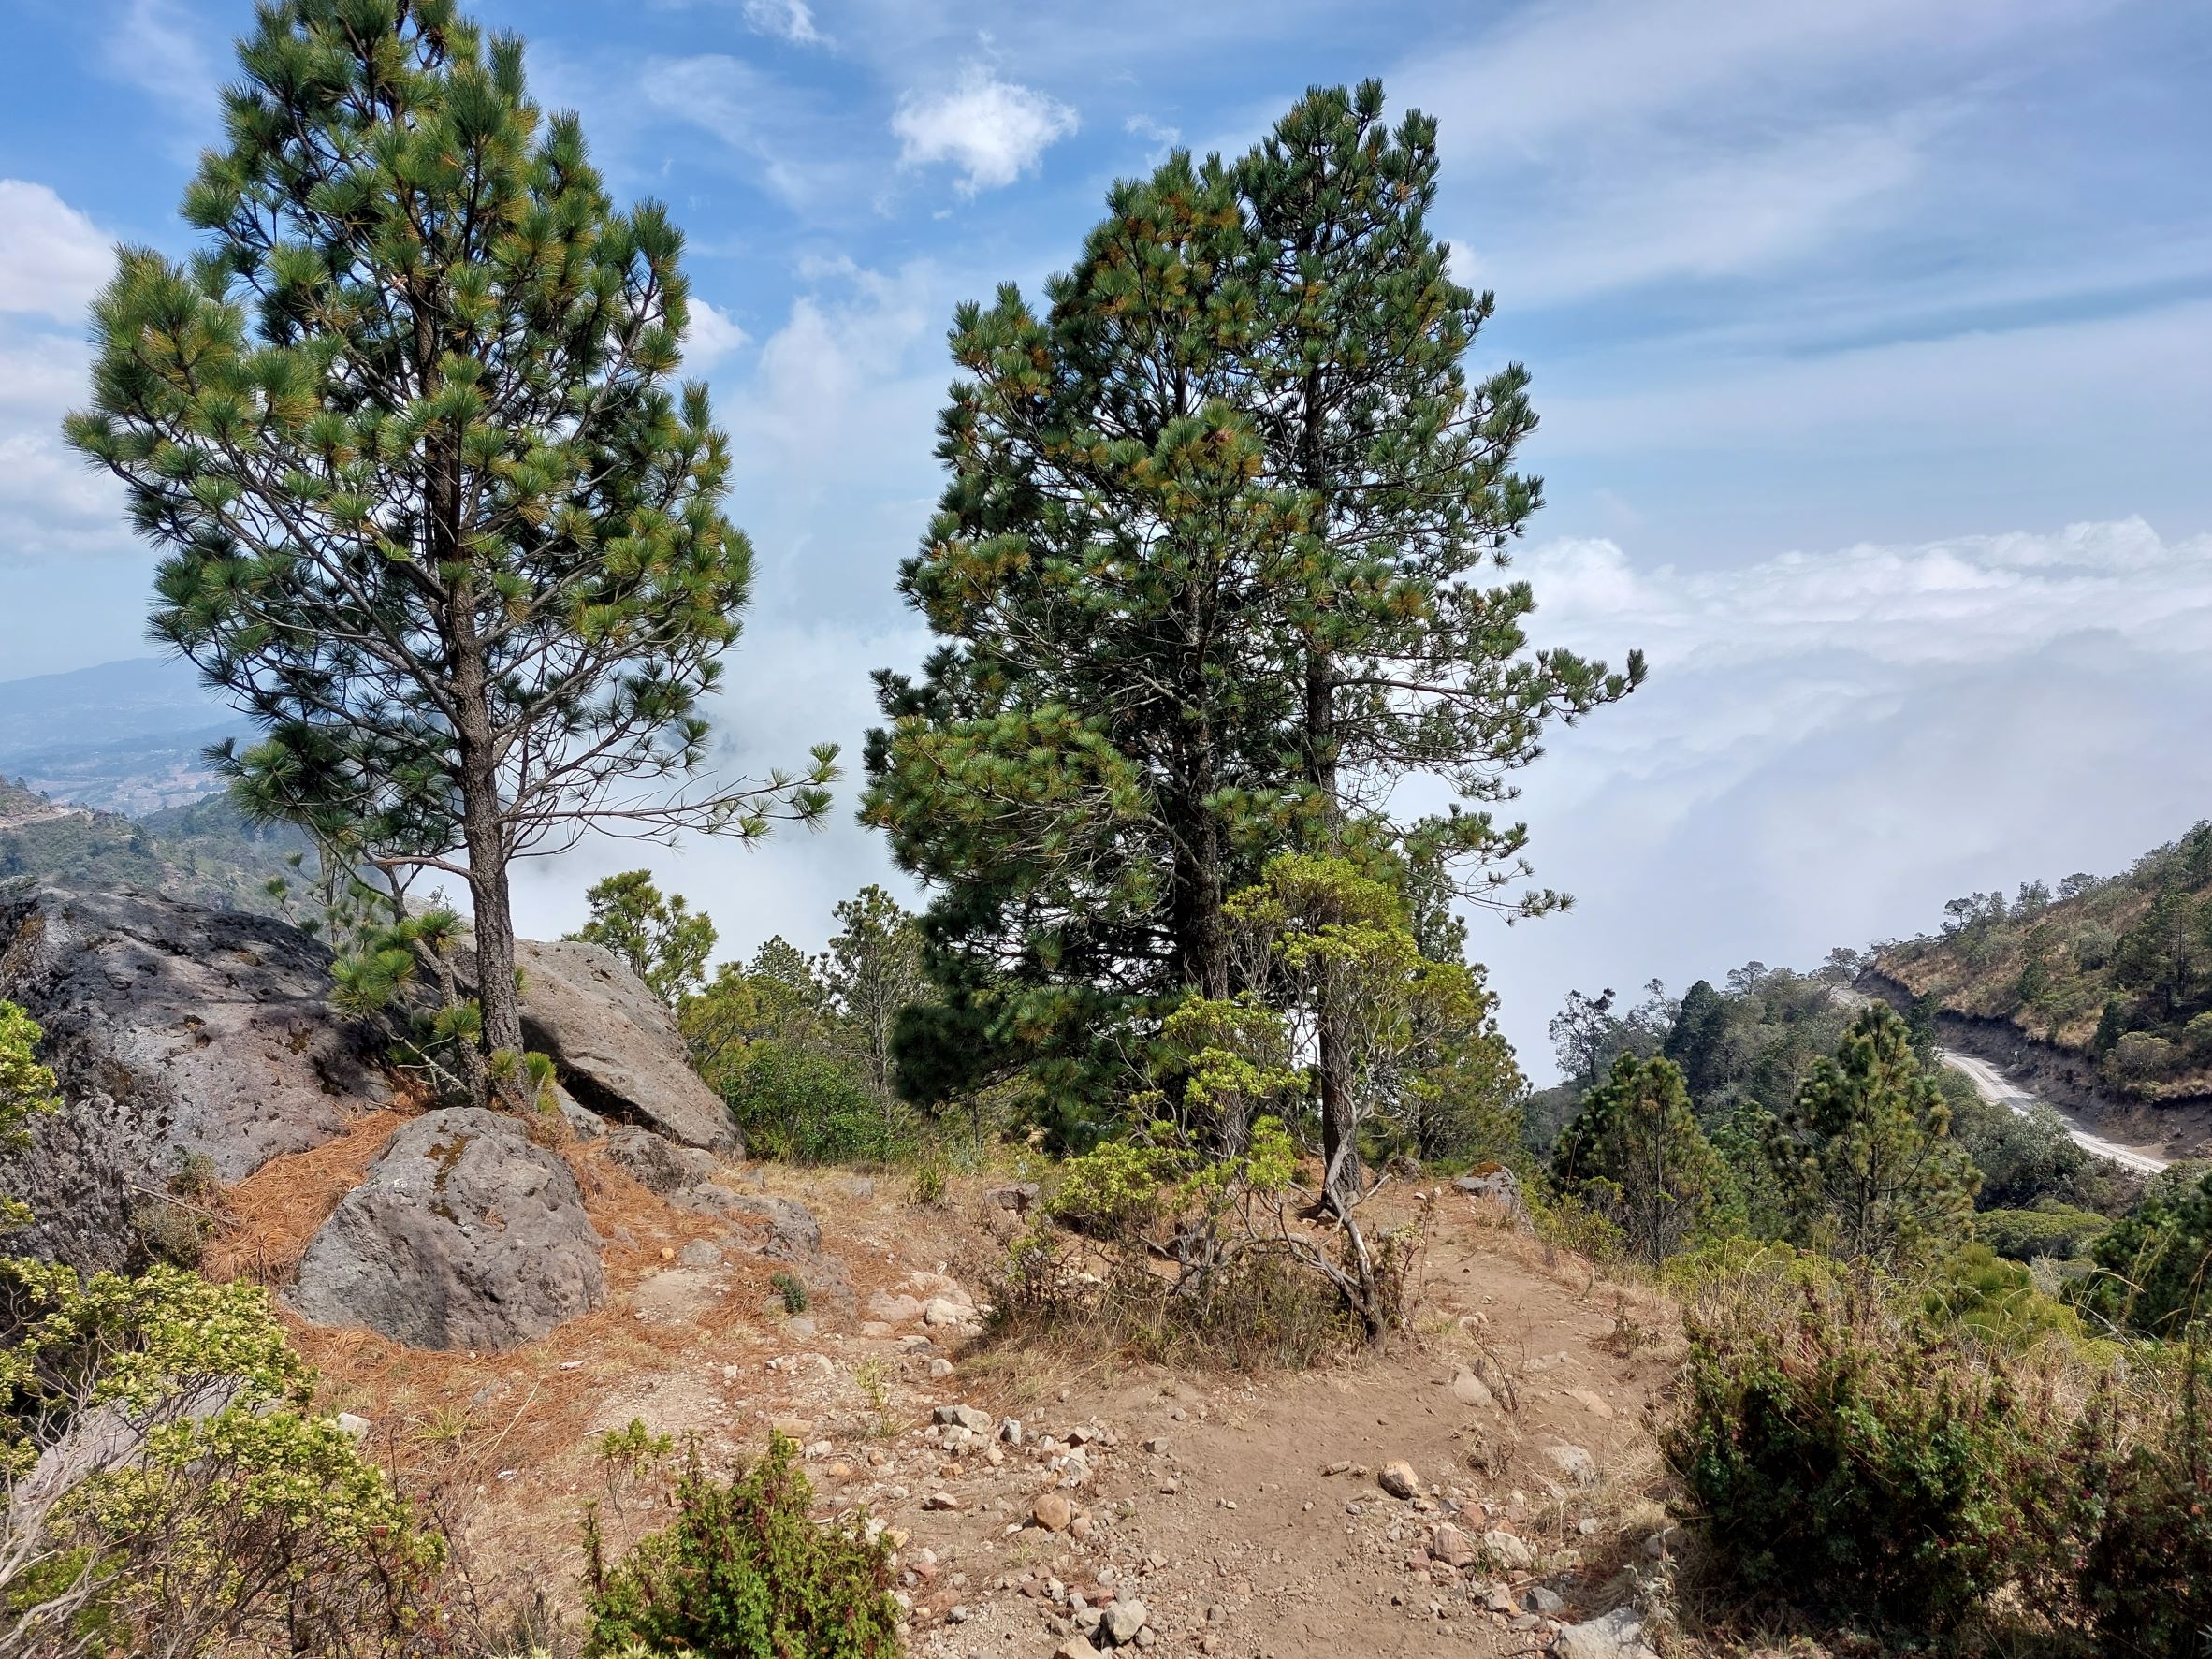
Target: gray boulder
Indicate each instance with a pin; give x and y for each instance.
(613, 1042)
(462, 1235)
(659, 1163)
(175, 1032)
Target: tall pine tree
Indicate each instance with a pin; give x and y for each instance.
(1864, 1157)
(434, 514)
(1084, 770)
(1636, 1152)
(1405, 471)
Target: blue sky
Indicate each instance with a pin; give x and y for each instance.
(1872, 342)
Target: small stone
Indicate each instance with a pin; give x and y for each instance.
(1509, 1551)
(353, 1423)
(1470, 1389)
(964, 1417)
(1616, 1634)
(1011, 1430)
(1053, 1512)
(1660, 1545)
(941, 1368)
(941, 1500)
(943, 1310)
(1450, 1546)
(1156, 1446)
(1075, 1648)
(1594, 1404)
(1399, 1479)
(1540, 1600)
(957, 1614)
(1123, 1619)
(1574, 1463)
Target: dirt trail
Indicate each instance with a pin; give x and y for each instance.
(1207, 1496)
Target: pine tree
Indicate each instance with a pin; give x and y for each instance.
(1206, 572)
(1405, 469)
(664, 942)
(873, 969)
(1074, 770)
(433, 515)
(1636, 1149)
(1863, 1156)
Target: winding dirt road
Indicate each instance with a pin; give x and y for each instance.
(1996, 1088)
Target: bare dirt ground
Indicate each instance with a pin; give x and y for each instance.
(1246, 1513)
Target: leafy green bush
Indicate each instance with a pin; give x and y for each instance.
(2051, 1229)
(1850, 1460)
(804, 1108)
(1979, 1291)
(742, 1573)
(792, 1289)
(165, 1486)
(1249, 1288)
(2133, 1506)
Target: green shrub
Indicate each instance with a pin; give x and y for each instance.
(800, 1107)
(1996, 1300)
(2154, 1267)
(1856, 1462)
(1250, 1288)
(2135, 1504)
(2058, 1230)
(789, 1285)
(218, 1514)
(742, 1573)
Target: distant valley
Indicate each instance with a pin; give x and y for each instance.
(127, 737)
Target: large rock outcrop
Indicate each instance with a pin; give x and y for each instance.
(616, 1046)
(462, 1235)
(175, 1032)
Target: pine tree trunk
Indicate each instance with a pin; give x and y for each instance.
(1340, 1151)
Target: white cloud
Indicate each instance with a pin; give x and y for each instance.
(1159, 133)
(1964, 598)
(53, 258)
(993, 130)
(712, 335)
(2147, 374)
(1830, 745)
(1703, 214)
(162, 52)
(784, 19)
(1557, 70)
(761, 117)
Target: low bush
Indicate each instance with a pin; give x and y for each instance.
(742, 1573)
(2154, 1268)
(165, 1488)
(1852, 1460)
(2131, 1502)
(1996, 1300)
(800, 1107)
(2055, 1231)
(1180, 1255)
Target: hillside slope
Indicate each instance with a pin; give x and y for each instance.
(2115, 973)
(203, 852)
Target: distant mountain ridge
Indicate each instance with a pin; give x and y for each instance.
(126, 737)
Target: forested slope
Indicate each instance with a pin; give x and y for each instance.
(2118, 971)
(204, 851)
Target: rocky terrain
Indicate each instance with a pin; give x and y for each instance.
(486, 1298)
